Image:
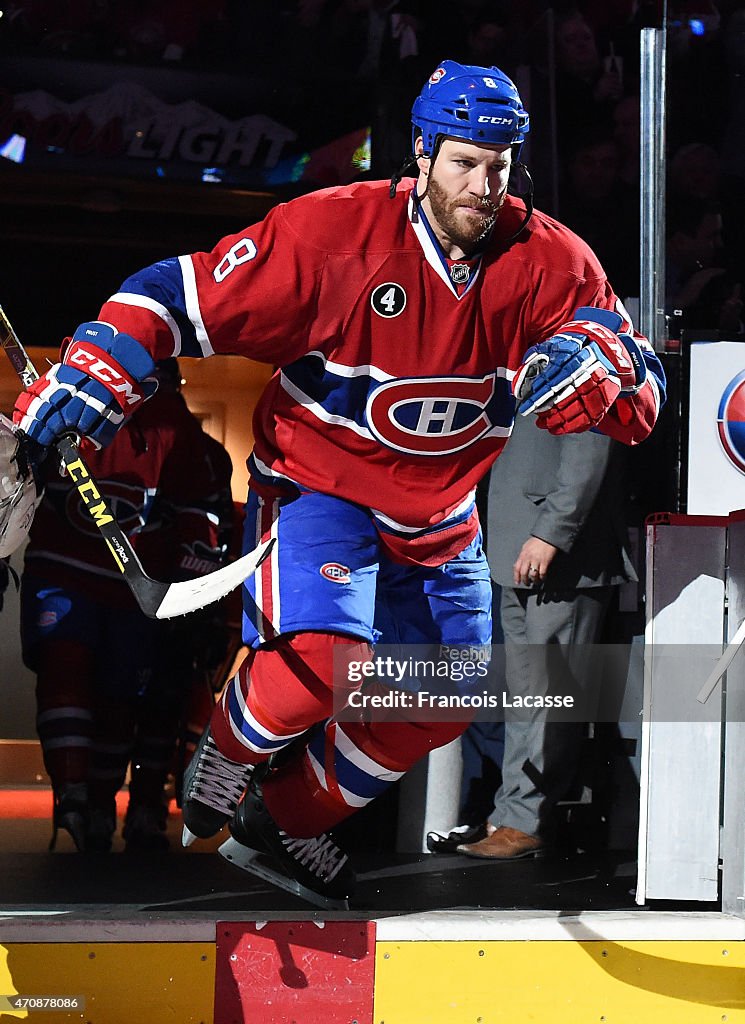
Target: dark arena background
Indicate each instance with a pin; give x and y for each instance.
(132, 132)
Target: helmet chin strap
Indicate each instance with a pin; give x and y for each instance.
(401, 173)
(410, 161)
(527, 198)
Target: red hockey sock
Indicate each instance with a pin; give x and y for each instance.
(111, 750)
(64, 716)
(280, 691)
(345, 767)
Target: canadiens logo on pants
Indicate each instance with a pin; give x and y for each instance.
(335, 572)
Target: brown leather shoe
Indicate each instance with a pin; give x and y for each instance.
(439, 842)
(504, 843)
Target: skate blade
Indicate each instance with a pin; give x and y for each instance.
(187, 837)
(255, 863)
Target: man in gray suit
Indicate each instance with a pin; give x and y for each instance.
(557, 545)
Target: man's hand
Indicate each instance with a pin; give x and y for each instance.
(571, 380)
(533, 561)
(102, 379)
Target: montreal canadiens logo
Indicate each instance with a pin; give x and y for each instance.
(430, 415)
(335, 572)
(731, 421)
(125, 502)
(435, 77)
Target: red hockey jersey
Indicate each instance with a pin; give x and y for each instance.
(393, 388)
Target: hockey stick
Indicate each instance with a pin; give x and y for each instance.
(157, 600)
(722, 665)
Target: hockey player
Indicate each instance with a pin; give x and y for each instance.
(89, 645)
(186, 538)
(401, 316)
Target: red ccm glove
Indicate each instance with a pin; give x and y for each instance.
(572, 379)
(102, 379)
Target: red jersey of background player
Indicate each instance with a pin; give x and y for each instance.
(158, 486)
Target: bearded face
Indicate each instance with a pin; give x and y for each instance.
(465, 221)
(464, 191)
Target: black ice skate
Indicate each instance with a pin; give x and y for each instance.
(315, 869)
(145, 828)
(71, 813)
(99, 835)
(213, 785)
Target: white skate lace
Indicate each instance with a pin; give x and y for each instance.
(319, 855)
(218, 781)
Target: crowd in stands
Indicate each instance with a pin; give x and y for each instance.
(576, 64)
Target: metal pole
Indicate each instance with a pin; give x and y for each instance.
(652, 187)
(552, 108)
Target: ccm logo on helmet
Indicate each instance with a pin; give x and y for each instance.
(335, 572)
(485, 119)
(430, 415)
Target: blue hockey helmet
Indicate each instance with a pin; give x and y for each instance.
(481, 105)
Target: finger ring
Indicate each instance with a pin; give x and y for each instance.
(532, 571)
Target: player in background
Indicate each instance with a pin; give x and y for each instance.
(198, 650)
(186, 537)
(402, 316)
(90, 647)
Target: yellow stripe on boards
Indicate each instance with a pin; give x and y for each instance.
(560, 982)
(8, 988)
(122, 982)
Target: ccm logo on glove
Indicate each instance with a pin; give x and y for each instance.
(610, 343)
(572, 379)
(93, 360)
(91, 392)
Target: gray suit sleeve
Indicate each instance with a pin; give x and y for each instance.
(582, 465)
